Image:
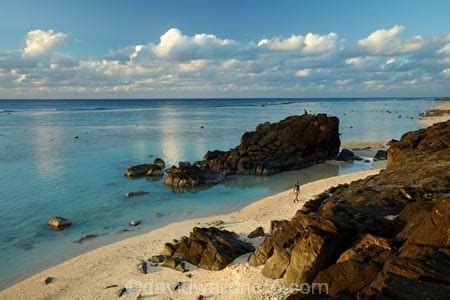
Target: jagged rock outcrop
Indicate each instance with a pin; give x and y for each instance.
(197, 174)
(208, 248)
(293, 143)
(386, 236)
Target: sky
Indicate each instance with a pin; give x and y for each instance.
(215, 49)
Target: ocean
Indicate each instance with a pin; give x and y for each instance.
(46, 171)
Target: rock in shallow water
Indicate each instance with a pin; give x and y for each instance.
(380, 155)
(59, 223)
(134, 222)
(86, 237)
(187, 175)
(293, 143)
(136, 194)
(144, 170)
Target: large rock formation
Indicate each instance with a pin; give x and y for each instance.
(386, 236)
(209, 248)
(293, 143)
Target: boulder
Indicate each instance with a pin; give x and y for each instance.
(366, 242)
(136, 194)
(155, 170)
(159, 162)
(144, 170)
(208, 248)
(256, 233)
(380, 155)
(347, 277)
(293, 143)
(346, 155)
(134, 222)
(59, 223)
(189, 176)
(48, 280)
(168, 249)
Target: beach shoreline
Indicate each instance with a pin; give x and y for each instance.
(34, 283)
(87, 275)
(440, 113)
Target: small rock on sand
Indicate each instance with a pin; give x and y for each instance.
(48, 280)
(156, 259)
(111, 286)
(121, 291)
(215, 223)
(142, 267)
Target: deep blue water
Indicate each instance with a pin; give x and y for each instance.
(45, 171)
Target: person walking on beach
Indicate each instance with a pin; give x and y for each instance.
(296, 191)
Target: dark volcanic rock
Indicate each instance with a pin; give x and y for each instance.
(159, 162)
(382, 237)
(187, 175)
(144, 170)
(59, 223)
(293, 143)
(136, 194)
(86, 237)
(380, 155)
(346, 155)
(209, 248)
(256, 233)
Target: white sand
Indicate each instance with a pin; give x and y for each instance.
(364, 144)
(444, 105)
(86, 276)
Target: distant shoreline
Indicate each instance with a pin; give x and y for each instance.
(437, 113)
(431, 98)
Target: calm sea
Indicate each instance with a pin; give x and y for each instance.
(46, 171)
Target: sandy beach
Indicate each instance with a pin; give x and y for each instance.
(88, 276)
(442, 105)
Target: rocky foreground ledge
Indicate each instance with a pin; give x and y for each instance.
(386, 236)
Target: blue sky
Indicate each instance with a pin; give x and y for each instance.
(176, 49)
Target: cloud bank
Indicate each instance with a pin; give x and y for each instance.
(385, 62)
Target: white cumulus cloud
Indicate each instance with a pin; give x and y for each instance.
(388, 42)
(310, 44)
(39, 42)
(303, 73)
(173, 44)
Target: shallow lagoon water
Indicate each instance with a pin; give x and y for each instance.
(45, 171)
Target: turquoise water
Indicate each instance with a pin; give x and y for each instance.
(45, 171)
